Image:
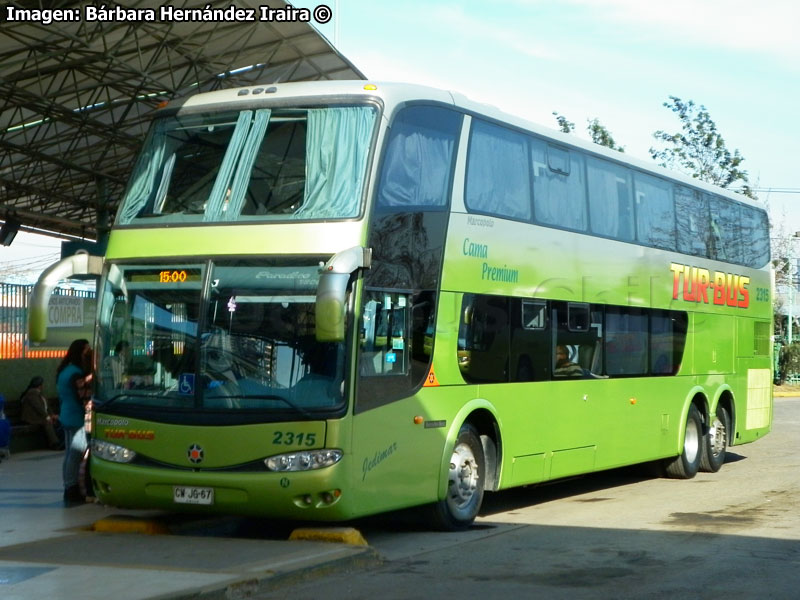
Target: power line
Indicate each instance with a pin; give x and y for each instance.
(777, 190)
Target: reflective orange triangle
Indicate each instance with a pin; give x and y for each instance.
(430, 380)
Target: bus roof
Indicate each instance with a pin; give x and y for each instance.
(392, 94)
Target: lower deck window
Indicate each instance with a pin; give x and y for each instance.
(504, 339)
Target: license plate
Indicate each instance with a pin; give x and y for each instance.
(184, 494)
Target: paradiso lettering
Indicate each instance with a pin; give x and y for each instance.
(694, 284)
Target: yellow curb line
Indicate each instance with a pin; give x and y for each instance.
(339, 535)
(130, 525)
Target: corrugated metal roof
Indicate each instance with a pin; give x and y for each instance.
(76, 96)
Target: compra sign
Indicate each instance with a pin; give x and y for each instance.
(65, 311)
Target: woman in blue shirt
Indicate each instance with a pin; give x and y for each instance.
(73, 380)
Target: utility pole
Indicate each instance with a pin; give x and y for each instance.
(791, 308)
(792, 293)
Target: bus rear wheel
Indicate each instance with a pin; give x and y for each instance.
(715, 442)
(687, 463)
(465, 484)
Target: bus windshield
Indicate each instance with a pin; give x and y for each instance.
(251, 165)
(215, 337)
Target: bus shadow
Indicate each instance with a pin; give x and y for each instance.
(560, 489)
(415, 519)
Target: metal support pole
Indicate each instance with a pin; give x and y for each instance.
(791, 310)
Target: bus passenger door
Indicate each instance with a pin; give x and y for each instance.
(396, 460)
(575, 396)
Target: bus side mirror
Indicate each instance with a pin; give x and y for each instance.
(77, 264)
(334, 276)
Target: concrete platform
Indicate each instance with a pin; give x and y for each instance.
(48, 551)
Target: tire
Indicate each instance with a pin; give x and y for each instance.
(465, 487)
(687, 463)
(715, 442)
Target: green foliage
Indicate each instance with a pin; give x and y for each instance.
(698, 149)
(598, 132)
(601, 135)
(790, 360)
(563, 125)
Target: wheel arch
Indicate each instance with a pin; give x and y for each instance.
(697, 396)
(725, 398)
(482, 416)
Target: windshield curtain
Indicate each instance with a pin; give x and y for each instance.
(234, 336)
(251, 165)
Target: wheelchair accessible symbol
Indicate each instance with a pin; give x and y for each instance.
(186, 384)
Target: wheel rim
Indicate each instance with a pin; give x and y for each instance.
(463, 477)
(691, 444)
(718, 437)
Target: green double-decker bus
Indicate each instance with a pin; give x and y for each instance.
(326, 300)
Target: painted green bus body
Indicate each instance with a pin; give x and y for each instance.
(396, 452)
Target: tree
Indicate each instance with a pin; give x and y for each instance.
(563, 125)
(601, 135)
(598, 132)
(699, 149)
(784, 264)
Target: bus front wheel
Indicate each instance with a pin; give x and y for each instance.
(465, 485)
(687, 463)
(715, 442)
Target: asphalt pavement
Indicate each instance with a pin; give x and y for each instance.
(92, 551)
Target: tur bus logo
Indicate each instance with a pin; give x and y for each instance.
(694, 284)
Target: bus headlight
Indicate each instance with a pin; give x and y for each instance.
(112, 452)
(305, 460)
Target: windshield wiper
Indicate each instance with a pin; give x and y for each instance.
(124, 394)
(283, 399)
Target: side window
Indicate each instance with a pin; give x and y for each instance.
(610, 200)
(384, 334)
(655, 212)
(755, 233)
(417, 167)
(519, 339)
(626, 343)
(395, 345)
(577, 352)
(667, 340)
(691, 217)
(725, 218)
(498, 181)
(483, 338)
(530, 340)
(534, 314)
(559, 188)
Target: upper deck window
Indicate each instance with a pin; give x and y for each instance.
(252, 165)
(559, 187)
(498, 181)
(610, 201)
(726, 238)
(655, 211)
(417, 167)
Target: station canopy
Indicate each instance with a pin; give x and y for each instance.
(76, 97)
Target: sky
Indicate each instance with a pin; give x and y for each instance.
(614, 60)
